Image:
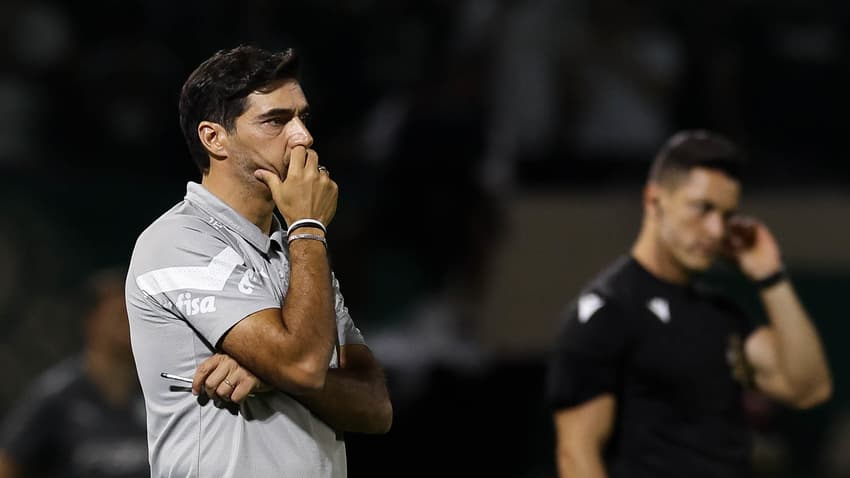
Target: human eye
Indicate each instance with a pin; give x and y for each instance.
(305, 117)
(276, 121)
(703, 207)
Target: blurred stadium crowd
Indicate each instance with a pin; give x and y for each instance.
(438, 119)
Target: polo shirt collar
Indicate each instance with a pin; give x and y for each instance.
(200, 196)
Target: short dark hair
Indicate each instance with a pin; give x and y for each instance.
(217, 89)
(99, 285)
(691, 149)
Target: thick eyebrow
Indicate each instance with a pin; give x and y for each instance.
(282, 113)
(727, 213)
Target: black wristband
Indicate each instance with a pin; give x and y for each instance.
(772, 279)
(306, 223)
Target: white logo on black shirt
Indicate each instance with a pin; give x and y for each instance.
(588, 304)
(659, 307)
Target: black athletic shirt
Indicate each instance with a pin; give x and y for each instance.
(62, 427)
(670, 354)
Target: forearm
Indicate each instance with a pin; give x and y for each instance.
(352, 401)
(290, 348)
(580, 464)
(9, 468)
(800, 353)
(308, 315)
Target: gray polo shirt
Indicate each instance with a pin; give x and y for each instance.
(195, 272)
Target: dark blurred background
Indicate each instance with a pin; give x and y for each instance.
(490, 156)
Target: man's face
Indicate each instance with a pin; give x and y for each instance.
(108, 325)
(692, 216)
(271, 126)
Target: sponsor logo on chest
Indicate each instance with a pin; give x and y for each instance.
(195, 305)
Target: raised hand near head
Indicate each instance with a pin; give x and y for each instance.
(308, 192)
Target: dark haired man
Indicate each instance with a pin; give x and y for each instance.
(219, 291)
(646, 377)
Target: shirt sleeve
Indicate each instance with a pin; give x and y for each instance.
(191, 273)
(348, 333)
(586, 358)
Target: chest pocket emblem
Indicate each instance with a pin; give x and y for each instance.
(249, 281)
(659, 307)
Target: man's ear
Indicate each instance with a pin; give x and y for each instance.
(214, 138)
(652, 199)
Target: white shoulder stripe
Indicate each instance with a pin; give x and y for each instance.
(211, 277)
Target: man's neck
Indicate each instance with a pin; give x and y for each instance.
(251, 201)
(657, 260)
(113, 375)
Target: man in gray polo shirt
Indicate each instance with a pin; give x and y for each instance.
(220, 292)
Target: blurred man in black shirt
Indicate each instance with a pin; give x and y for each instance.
(85, 416)
(646, 377)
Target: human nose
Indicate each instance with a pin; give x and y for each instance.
(299, 135)
(715, 225)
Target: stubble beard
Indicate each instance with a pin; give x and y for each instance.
(244, 170)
